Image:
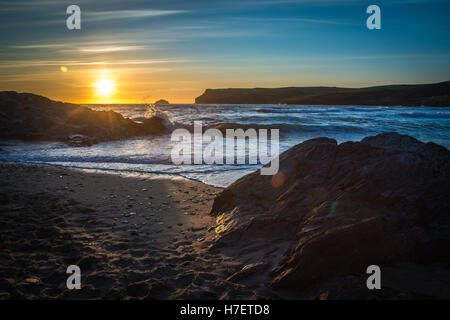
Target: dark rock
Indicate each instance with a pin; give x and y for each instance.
(26, 116)
(79, 140)
(332, 210)
(155, 125)
(162, 101)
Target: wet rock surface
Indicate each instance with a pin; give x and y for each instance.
(334, 209)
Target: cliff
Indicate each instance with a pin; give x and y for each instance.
(437, 94)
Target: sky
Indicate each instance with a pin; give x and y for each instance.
(175, 49)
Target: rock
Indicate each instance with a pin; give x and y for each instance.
(79, 140)
(332, 210)
(30, 117)
(156, 125)
(162, 101)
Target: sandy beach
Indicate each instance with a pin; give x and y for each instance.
(152, 236)
(131, 237)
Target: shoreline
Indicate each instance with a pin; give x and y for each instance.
(132, 238)
(150, 176)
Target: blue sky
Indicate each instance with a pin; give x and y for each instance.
(175, 49)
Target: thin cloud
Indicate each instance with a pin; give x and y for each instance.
(307, 20)
(111, 49)
(37, 46)
(295, 19)
(108, 45)
(45, 63)
(129, 14)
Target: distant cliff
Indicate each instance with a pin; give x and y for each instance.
(437, 94)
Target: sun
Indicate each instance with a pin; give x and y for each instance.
(104, 87)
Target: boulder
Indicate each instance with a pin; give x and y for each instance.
(334, 209)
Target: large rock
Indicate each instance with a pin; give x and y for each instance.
(332, 210)
(26, 116)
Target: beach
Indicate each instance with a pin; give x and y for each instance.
(150, 236)
(95, 191)
(131, 237)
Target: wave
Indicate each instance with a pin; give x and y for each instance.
(323, 110)
(154, 111)
(100, 168)
(291, 128)
(202, 173)
(366, 109)
(88, 159)
(268, 110)
(434, 115)
(139, 119)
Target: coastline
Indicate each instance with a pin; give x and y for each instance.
(431, 94)
(131, 237)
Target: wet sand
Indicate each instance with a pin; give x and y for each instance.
(132, 237)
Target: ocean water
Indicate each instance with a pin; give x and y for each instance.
(296, 124)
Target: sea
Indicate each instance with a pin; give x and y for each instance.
(296, 123)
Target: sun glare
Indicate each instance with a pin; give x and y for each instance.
(104, 87)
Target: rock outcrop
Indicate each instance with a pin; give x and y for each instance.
(334, 209)
(162, 101)
(27, 116)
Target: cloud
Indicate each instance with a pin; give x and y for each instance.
(46, 63)
(37, 46)
(295, 19)
(111, 49)
(122, 41)
(128, 14)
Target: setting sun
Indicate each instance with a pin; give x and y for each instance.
(104, 87)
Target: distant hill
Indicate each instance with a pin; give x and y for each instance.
(436, 94)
